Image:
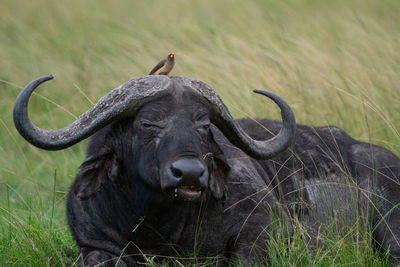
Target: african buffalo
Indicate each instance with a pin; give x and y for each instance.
(169, 172)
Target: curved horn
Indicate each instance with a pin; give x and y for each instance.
(120, 102)
(221, 117)
(255, 148)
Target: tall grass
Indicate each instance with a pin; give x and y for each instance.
(335, 62)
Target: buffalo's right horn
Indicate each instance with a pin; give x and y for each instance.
(220, 116)
(260, 149)
(120, 102)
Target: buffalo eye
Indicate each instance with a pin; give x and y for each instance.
(203, 128)
(149, 125)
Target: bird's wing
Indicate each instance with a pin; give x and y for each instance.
(159, 65)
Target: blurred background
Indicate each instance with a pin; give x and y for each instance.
(335, 62)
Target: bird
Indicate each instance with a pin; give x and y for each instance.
(164, 66)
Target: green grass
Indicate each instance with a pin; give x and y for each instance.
(335, 62)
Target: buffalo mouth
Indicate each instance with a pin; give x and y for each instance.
(188, 193)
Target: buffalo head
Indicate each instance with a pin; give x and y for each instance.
(168, 143)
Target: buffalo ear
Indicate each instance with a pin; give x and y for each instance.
(94, 172)
(219, 172)
(218, 167)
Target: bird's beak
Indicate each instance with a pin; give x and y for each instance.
(172, 55)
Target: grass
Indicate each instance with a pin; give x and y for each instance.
(335, 62)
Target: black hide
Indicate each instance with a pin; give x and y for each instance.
(120, 206)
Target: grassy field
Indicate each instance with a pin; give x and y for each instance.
(335, 62)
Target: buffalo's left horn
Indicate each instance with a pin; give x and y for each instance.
(120, 102)
(221, 117)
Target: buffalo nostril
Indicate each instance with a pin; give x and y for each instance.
(185, 172)
(176, 172)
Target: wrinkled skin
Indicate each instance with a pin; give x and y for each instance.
(123, 202)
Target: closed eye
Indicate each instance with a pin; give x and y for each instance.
(145, 124)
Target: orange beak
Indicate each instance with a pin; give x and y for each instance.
(172, 55)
